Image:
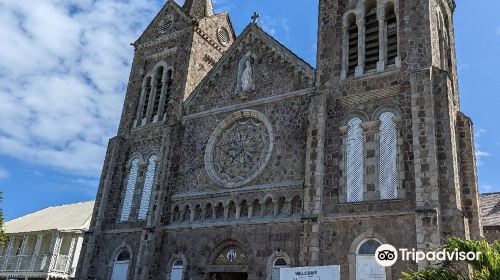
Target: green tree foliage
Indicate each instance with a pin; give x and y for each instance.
(487, 267)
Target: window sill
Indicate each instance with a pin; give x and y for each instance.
(391, 69)
(149, 125)
(371, 202)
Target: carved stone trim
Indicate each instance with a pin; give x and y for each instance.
(223, 153)
(369, 96)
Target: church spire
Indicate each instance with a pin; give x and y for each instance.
(199, 8)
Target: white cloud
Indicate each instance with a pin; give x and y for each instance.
(274, 26)
(64, 68)
(4, 173)
(480, 155)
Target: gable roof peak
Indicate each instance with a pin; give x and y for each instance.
(199, 8)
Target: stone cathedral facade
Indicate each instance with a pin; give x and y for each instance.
(234, 157)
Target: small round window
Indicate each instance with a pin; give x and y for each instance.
(223, 36)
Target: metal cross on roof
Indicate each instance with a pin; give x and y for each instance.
(255, 17)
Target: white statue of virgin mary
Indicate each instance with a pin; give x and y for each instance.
(247, 76)
(245, 73)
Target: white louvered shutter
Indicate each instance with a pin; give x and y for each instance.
(388, 179)
(129, 193)
(148, 186)
(355, 161)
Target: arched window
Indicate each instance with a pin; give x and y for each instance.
(243, 209)
(444, 43)
(352, 45)
(256, 209)
(366, 265)
(281, 205)
(269, 207)
(388, 173)
(186, 214)
(177, 270)
(168, 92)
(121, 265)
(231, 211)
(208, 212)
(147, 93)
(372, 46)
(158, 85)
(148, 186)
(392, 33)
(130, 190)
(355, 161)
(278, 263)
(176, 214)
(197, 213)
(219, 211)
(296, 205)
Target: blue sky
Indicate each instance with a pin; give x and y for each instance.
(64, 67)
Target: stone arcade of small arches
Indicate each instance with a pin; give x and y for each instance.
(267, 207)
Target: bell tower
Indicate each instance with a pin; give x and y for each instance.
(395, 139)
(199, 8)
(177, 49)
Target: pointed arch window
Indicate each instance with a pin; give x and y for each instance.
(147, 93)
(168, 92)
(158, 86)
(392, 33)
(148, 186)
(352, 45)
(130, 190)
(388, 174)
(355, 161)
(372, 46)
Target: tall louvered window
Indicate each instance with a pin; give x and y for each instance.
(148, 186)
(352, 41)
(392, 34)
(130, 190)
(147, 92)
(168, 89)
(157, 94)
(355, 161)
(388, 178)
(371, 39)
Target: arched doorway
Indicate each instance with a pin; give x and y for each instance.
(230, 263)
(367, 267)
(120, 266)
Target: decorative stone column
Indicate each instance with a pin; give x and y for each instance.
(361, 48)
(371, 155)
(382, 42)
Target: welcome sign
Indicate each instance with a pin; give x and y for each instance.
(331, 272)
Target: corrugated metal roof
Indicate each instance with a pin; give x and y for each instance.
(490, 209)
(64, 218)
